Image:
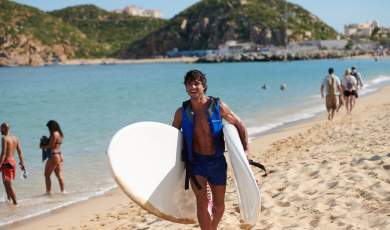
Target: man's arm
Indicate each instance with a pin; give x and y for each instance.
(339, 87)
(360, 80)
(177, 119)
(233, 119)
(19, 149)
(3, 149)
(322, 90)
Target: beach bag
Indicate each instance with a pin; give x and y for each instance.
(331, 86)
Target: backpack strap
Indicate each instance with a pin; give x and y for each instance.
(187, 162)
(258, 165)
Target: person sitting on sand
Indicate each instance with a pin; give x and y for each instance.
(332, 87)
(55, 158)
(9, 144)
(349, 84)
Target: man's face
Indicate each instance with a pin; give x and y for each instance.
(195, 89)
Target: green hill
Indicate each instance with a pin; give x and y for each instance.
(210, 23)
(29, 36)
(112, 30)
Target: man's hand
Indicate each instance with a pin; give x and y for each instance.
(21, 166)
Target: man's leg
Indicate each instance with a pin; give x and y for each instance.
(328, 110)
(204, 217)
(7, 191)
(353, 98)
(218, 192)
(10, 190)
(332, 114)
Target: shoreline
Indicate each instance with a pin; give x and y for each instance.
(100, 211)
(188, 60)
(114, 61)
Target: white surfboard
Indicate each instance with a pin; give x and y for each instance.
(247, 189)
(145, 159)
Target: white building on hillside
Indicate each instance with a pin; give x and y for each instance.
(134, 10)
(360, 29)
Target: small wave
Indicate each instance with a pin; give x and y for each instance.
(62, 205)
(380, 79)
(304, 114)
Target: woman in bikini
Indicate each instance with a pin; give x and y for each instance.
(55, 159)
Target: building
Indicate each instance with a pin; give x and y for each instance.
(232, 46)
(360, 30)
(134, 10)
(325, 44)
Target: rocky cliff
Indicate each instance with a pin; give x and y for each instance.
(29, 36)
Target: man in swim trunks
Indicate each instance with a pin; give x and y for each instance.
(9, 144)
(332, 87)
(200, 119)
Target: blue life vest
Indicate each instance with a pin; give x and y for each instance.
(215, 122)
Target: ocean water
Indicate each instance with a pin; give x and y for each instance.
(92, 102)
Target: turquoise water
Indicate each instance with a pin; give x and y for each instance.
(91, 102)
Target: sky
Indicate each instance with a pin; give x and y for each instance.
(335, 13)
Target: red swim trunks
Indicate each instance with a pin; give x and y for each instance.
(8, 170)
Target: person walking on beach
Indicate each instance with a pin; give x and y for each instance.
(55, 158)
(359, 80)
(332, 87)
(9, 144)
(200, 119)
(349, 84)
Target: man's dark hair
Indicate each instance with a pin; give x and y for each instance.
(194, 75)
(330, 70)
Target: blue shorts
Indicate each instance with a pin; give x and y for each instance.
(211, 167)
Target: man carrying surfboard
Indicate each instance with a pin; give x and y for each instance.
(200, 119)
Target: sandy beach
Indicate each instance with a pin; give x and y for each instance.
(322, 175)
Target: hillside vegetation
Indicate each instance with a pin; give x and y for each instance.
(112, 30)
(29, 36)
(210, 23)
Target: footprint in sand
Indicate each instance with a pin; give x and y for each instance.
(283, 204)
(332, 184)
(310, 192)
(386, 167)
(375, 158)
(314, 223)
